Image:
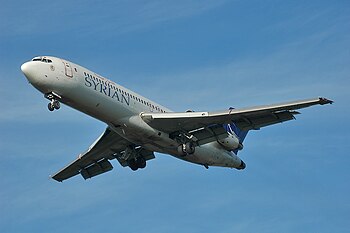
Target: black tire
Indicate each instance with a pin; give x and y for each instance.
(133, 165)
(50, 107)
(141, 162)
(190, 148)
(181, 150)
(56, 104)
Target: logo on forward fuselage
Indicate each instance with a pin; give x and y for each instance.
(107, 88)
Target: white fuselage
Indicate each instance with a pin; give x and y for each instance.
(117, 106)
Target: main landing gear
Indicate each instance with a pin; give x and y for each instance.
(187, 148)
(135, 164)
(54, 103)
(134, 158)
(187, 143)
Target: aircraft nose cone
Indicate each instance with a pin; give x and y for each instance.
(33, 71)
(25, 68)
(29, 71)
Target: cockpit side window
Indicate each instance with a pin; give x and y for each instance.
(42, 59)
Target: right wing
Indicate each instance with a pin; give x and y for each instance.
(205, 127)
(245, 118)
(95, 160)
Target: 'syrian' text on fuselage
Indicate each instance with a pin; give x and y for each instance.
(108, 89)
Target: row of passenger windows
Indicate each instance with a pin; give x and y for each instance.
(108, 84)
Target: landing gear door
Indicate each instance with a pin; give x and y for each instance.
(68, 69)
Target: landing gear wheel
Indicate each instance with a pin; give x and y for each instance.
(51, 107)
(189, 147)
(186, 149)
(56, 104)
(141, 162)
(133, 165)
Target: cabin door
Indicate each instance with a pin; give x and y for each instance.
(68, 69)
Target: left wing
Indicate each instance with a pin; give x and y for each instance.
(95, 160)
(246, 118)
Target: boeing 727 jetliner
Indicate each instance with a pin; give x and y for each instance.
(137, 127)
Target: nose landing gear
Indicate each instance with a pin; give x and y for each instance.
(54, 103)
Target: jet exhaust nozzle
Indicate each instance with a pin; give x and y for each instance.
(241, 166)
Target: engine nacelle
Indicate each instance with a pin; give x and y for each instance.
(231, 143)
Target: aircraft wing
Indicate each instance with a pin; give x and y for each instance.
(245, 118)
(95, 160)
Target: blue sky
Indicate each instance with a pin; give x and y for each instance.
(201, 55)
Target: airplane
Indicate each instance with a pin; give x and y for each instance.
(138, 127)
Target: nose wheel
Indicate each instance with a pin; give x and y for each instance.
(54, 104)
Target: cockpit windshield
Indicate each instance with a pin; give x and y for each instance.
(42, 59)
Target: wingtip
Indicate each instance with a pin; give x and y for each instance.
(325, 101)
(52, 177)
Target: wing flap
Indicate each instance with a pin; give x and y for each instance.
(209, 134)
(246, 123)
(96, 169)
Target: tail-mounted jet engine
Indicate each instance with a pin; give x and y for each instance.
(231, 143)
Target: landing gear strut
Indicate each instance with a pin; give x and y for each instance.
(54, 103)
